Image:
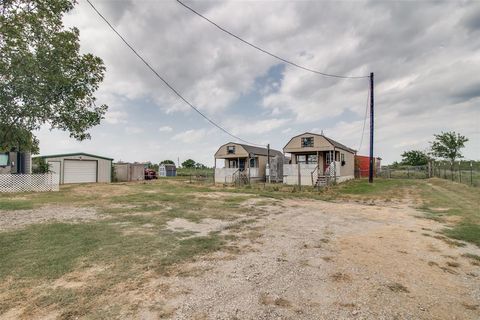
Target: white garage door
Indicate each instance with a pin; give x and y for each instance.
(79, 171)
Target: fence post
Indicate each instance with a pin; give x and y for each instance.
(471, 173)
(408, 173)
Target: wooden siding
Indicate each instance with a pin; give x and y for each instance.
(222, 153)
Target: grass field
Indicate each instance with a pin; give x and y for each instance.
(131, 239)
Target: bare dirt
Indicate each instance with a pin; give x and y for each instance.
(200, 229)
(10, 220)
(320, 260)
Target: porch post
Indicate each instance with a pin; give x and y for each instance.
(335, 164)
(248, 159)
(299, 177)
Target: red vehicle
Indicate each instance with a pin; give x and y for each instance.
(150, 174)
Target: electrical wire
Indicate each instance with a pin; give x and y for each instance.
(364, 119)
(165, 81)
(267, 52)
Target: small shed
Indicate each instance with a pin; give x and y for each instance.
(167, 170)
(129, 171)
(80, 167)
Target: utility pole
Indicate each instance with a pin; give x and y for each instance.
(370, 169)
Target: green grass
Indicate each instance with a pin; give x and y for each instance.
(37, 255)
(7, 204)
(380, 187)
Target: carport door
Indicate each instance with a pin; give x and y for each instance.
(79, 171)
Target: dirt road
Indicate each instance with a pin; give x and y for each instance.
(320, 260)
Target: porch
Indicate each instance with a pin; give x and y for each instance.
(314, 168)
(238, 170)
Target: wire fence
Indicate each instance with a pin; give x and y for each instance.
(466, 174)
(196, 175)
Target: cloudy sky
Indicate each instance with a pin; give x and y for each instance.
(425, 56)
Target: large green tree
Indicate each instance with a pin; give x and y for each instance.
(189, 163)
(44, 80)
(415, 158)
(448, 145)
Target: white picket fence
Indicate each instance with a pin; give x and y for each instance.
(37, 182)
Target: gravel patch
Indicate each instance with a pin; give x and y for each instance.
(202, 228)
(320, 260)
(10, 220)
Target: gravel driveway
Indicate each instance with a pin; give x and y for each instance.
(320, 260)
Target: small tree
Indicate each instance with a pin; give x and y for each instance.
(448, 145)
(40, 166)
(167, 162)
(188, 163)
(415, 158)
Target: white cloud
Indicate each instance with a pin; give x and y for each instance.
(190, 136)
(245, 127)
(116, 117)
(165, 129)
(134, 130)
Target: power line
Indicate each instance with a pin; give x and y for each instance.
(364, 120)
(267, 52)
(165, 81)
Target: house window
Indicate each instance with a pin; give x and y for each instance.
(307, 158)
(307, 142)
(342, 157)
(253, 163)
(231, 149)
(232, 163)
(312, 158)
(301, 158)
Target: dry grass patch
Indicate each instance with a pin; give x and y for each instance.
(453, 264)
(266, 299)
(469, 306)
(397, 287)
(340, 277)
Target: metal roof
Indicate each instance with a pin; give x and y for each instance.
(257, 150)
(73, 154)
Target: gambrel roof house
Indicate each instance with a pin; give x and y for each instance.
(320, 159)
(242, 161)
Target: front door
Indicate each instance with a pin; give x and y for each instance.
(241, 165)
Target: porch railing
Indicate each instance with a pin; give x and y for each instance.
(312, 174)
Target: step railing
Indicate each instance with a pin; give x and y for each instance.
(312, 174)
